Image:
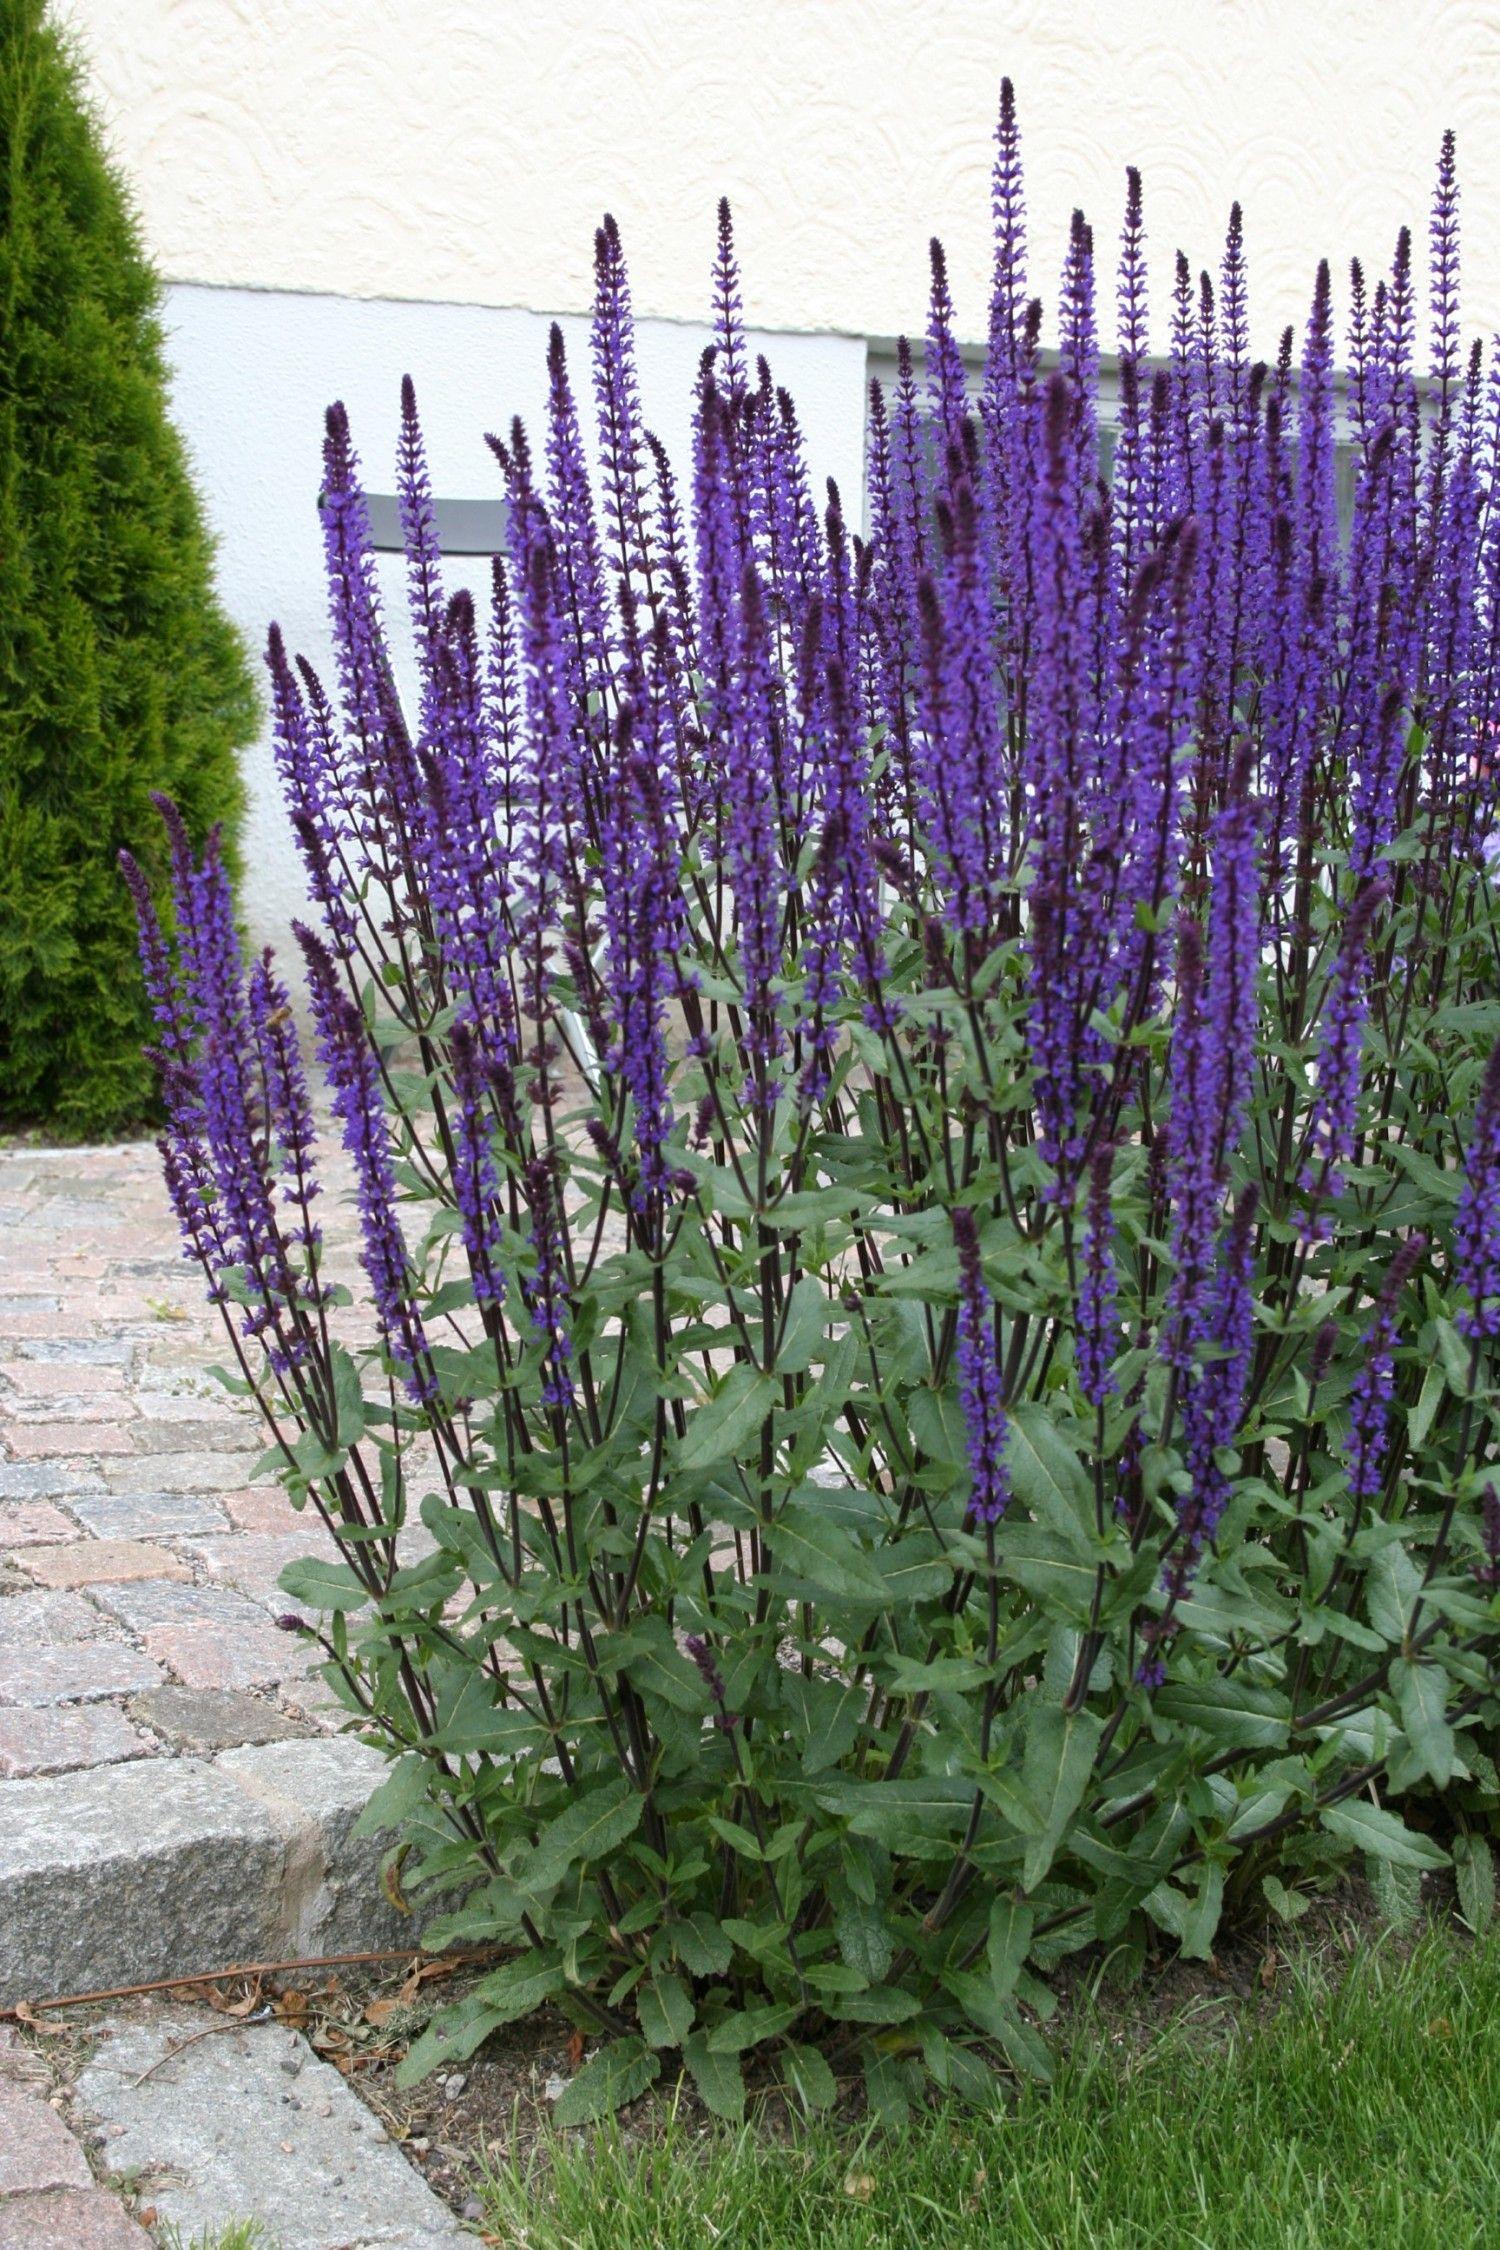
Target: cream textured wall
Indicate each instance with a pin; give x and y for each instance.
(463, 148)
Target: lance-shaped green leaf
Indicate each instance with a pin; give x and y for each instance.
(616, 2075)
(1059, 1759)
(718, 2077)
(588, 1828)
(719, 1430)
(1376, 1829)
(1422, 1696)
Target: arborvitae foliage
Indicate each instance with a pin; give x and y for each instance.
(119, 673)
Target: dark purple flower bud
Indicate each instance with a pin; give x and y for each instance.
(1325, 1344)
(713, 1679)
(1487, 1569)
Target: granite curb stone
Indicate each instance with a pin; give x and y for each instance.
(167, 1866)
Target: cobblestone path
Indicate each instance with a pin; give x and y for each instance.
(138, 1564)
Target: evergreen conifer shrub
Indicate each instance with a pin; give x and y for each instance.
(119, 673)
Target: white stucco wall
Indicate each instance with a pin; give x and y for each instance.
(253, 371)
(464, 149)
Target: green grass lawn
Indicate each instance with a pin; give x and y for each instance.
(1367, 2111)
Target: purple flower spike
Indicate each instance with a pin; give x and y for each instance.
(547, 1291)
(1097, 1339)
(1340, 1050)
(1476, 1230)
(353, 1075)
(1374, 1385)
(979, 1378)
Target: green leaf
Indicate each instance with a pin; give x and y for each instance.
(886, 2004)
(1235, 1714)
(826, 1714)
(1289, 1905)
(718, 2078)
(810, 2078)
(1203, 1915)
(322, 1585)
(665, 2008)
(590, 1827)
(702, 1946)
(1397, 1891)
(820, 1552)
(1001, 2021)
(516, 1990)
(607, 2081)
(751, 2027)
(886, 2090)
(1474, 1866)
(1456, 1354)
(900, 1813)
(1377, 1830)
(647, 1651)
(1421, 1694)
(719, 1430)
(1047, 1475)
(348, 1398)
(1011, 1923)
(400, 1793)
(863, 1939)
(1419, 1418)
(913, 1569)
(807, 1316)
(1391, 1586)
(1059, 1760)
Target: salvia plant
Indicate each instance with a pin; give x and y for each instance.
(925, 1116)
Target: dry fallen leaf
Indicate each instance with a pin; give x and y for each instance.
(390, 1880)
(576, 2044)
(219, 2000)
(25, 2013)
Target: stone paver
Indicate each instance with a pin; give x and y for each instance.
(71, 2221)
(93, 1562)
(37, 2152)
(41, 1620)
(32, 1523)
(148, 1515)
(44, 1480)
(150, 1869)
(207, 1719)
(59, 1739)
(202, 1656)
(48, 2200)
(74, 1672)
(250, 2123)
